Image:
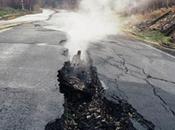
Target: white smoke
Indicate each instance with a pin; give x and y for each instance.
(94, 20)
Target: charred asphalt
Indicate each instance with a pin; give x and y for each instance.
(30, 56)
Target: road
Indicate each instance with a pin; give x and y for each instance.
(30, 56)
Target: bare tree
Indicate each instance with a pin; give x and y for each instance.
(22, 4)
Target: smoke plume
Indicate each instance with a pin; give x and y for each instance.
(94, 20)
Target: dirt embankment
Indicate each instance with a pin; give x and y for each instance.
(159, 26)
(86, 107)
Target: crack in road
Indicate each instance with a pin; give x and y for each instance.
(122, 94)
(123, 63)
(90, 108)
(141, 75)
(148, 76)
(154, 88)
(165, 104)
(120, 91)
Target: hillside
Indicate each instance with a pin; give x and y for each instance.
(157, 26)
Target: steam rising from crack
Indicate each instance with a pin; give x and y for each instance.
(93, 21)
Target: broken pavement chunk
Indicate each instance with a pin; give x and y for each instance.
(86, 107)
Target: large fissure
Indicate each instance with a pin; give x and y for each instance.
(87, 108)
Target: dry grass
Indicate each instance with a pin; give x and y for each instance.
(154, 36)
(156, 13)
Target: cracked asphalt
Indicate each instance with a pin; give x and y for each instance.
(30, 56)
(29, 59)
(140, 74)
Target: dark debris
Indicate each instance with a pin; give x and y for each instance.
(86, 107)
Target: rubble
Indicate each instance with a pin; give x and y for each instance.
(164, 23)
(153, 23)
(86, 107)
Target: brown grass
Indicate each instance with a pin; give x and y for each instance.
(157, 13)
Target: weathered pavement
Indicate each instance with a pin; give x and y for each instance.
(140, 74)
(30, 56)
(29, 60)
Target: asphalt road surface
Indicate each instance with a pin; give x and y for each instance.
(30, 56)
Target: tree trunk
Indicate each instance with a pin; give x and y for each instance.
(159, 18)
(22, 4)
